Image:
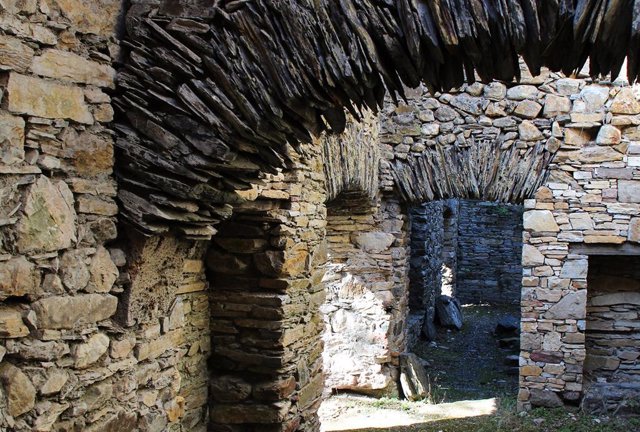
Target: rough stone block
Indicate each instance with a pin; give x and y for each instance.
(48, 99)
(67, 66)
(65, 312)
(540, 221)
(572, 306)
(11, 324)
(19, 390)
(18, 277)
(48, 222)
(11, 138)
(14, 54)
(90, 352)
(629, 191)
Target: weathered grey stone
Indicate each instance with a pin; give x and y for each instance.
(18, 277)
(19, 391)
(374, 242)
(448, 312)
(90, 352)
(594, 97)
(529, 131)
(446, 114)
(531, 256)
(413, 378)
(634, 230)
(568, 86)
(69, 312)
(630, 297)
(74, 272)
(540, 221)
(629, 191)
(495, 91)
(572, 306)
(608, 135)
(11, 138)
(469, 104)
(545, 398)
(228, 389)
(48, 99)
(575, 269)
(522, 92)
(67, 66)
(103, 272)
(11, 324)
(48, 220)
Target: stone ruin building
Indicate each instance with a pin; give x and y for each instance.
(199, 198)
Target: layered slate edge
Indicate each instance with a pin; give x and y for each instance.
(210, 99)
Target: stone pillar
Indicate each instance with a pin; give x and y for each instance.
(266, 267)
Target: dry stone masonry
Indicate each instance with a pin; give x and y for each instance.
(117, 311)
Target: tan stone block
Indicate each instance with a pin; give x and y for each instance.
(48, 220)
(634, 230)
(610, 239)
(598, 154)
(65, 312)
(531, 256)
(11, 138)
(156, 347)
(11, 323)
(67, 66)
(56, 379)
(90, 352)
(103, 272)
(48, 99)
(14, 54)
(18, 277)
(625, 102)
(19, 390)
(97, 17)
(530, 370)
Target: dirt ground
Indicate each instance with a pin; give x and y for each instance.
(469, 364)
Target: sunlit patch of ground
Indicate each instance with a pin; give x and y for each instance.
(348, 412)
(362, 414)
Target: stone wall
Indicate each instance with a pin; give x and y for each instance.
(96, 333)
(489, 252)
(425, 274)
(366, 304)
(590, 199)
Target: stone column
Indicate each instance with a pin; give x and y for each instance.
(266, 267)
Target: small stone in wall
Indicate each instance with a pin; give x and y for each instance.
(545, 398)
(629, 191)
(374, 242)
(634, 230)
(625, 103)
(529, 132)
(48, 99)
(11, 139)
(11, 323)
(556, 105)
(19, 391)
(90, 352)
(540, 221)
(67, 66)
(531, 256)
(56, 379)
(18, 277)
(73, 270)
(48, 222)
(103, 272)
(572, 306)
(594, 97)
(65, 312)
(608, 135)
